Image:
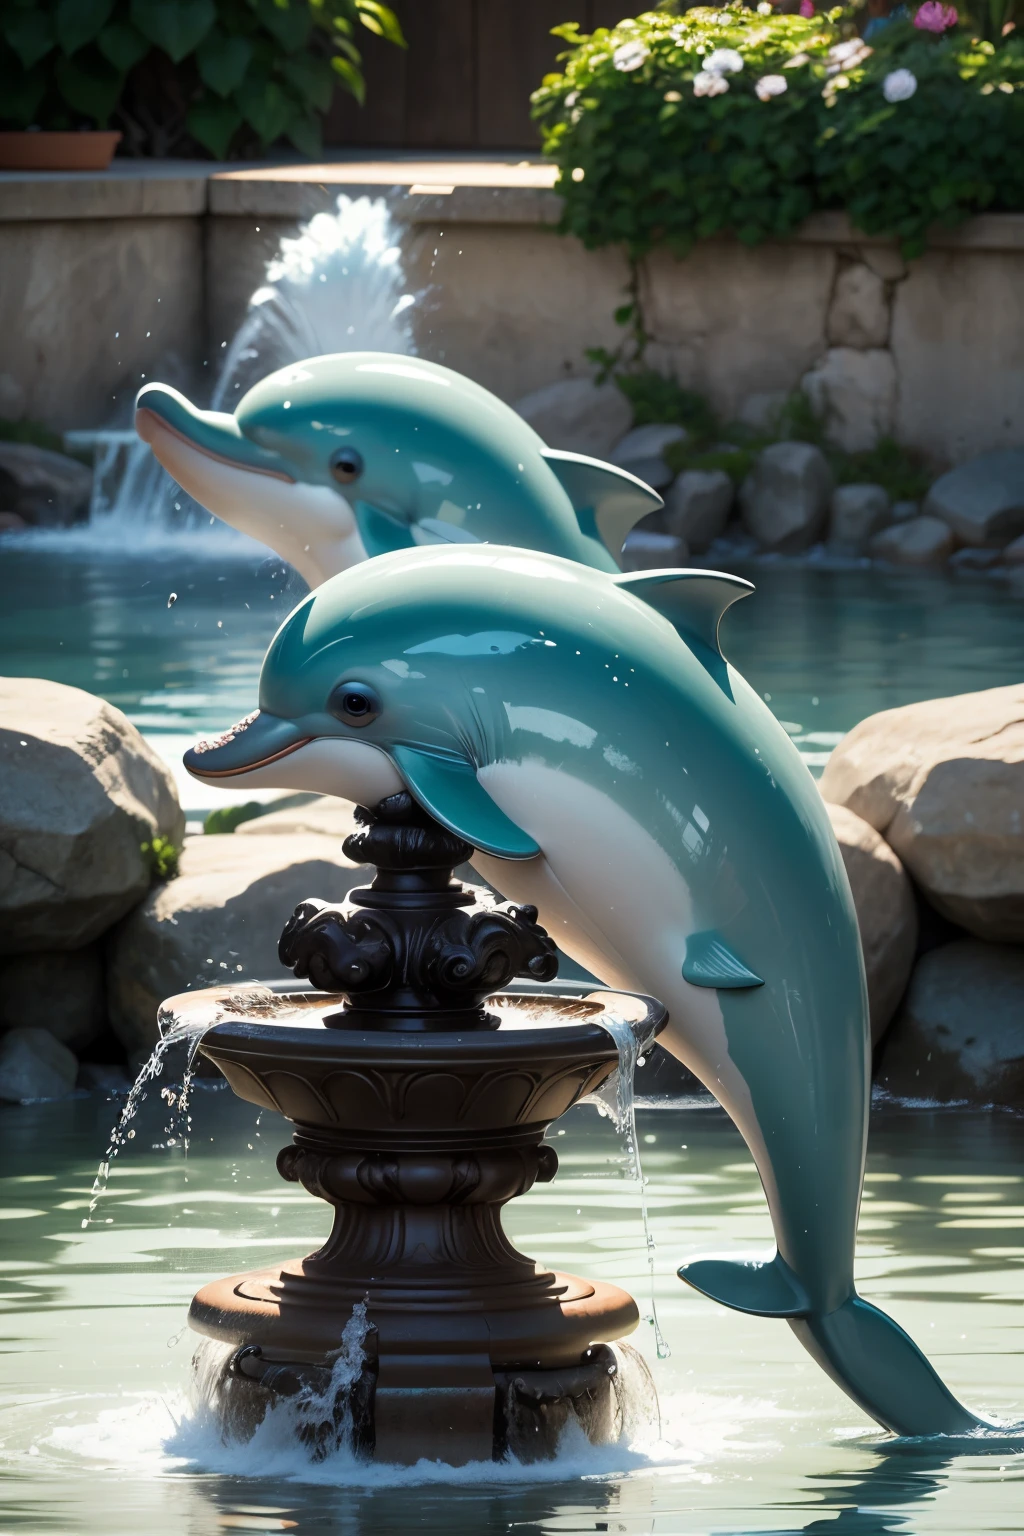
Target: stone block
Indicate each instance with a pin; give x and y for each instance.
(943, 782)
(919, 541)
(80, 792)
(784, 500)
(855, 513)
(697, 507)
(854, 394)
(578, 416)
(642, 451)
(858, 315)
(960, 1033)
(982, 500)
(34, 1065)
(45, 489)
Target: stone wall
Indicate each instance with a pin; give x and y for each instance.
(932, 352)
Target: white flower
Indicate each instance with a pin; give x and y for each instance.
(797, 60)
(724, 61)
(630, 56)
(771, 85)
(572, 98)
(841, 52)
(899, 85)
(710, 85)
(765, 8)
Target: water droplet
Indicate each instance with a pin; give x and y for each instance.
(173, 598)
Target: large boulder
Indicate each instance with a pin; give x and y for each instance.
(697, 507)
(578, 416)
(982, 500)
(943, 782)
(80, 793)
(785, 497)
(916, 541)
(854, 394)
(219, 920)
(57, 990)
(858, 315)
(34, 1065)
(44, 489)
(960, 1033)
(855, 513)
(642, 452)
(886, 913)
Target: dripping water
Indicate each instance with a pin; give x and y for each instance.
(615, 1099)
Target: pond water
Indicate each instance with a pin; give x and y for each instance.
(95, 1433)
(826, 647)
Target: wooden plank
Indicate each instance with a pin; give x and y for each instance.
(440, 95)
(515, 50)
(381, 121)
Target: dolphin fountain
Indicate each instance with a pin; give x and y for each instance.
(360, 453)
(527, 702)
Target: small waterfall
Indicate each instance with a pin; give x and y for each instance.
(337, 286)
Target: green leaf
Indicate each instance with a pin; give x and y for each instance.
(31, 34)
(123, 44)
(304, 132)
(214, 124)
(79, 21)
(176, 26)
(89, 84)
(312, 78)
(223, 61)
(288, 24)
(382, 20)
(351, 77)
(21, 92)
(265, 107)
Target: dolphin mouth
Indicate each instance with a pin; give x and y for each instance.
(259, 739)
(150, 425)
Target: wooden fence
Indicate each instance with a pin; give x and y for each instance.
(465, 81)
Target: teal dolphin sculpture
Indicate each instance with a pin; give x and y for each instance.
(336, 458)
(584, 732)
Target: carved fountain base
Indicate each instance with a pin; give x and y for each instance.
(420, 1108)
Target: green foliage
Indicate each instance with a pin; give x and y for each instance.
(161, 857)
(657, 397)
(650, 155)
(30, 432)
(229, 76)
(226, 818)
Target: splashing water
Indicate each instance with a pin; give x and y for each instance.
(335, 287)
(615, 1099)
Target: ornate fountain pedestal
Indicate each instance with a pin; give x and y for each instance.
(419, 1113)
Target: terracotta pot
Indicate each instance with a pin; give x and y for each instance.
(91, 151)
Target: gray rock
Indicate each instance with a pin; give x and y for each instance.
(697, 507)
(1013, 554)
(982, 500)
(785, 498)
(975, 559)
(578, 416)
(80, 792)
(762, 411)
(34, 1065)
(858, 315)
(903, 511)
(886, 914)
(49, 490)
(855, 513)
(854, 394)
(220, 920)
(103, 1077)
(646, 446)
(960, 1033)
(921, 541)
(647, 551)
(943, 782)
(58, 990)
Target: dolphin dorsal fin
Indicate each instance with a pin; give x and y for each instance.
(616, 499)
(693, 600)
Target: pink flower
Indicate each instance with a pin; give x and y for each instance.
(807, 8)
(933, 16)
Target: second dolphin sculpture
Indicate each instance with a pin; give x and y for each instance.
(584, 731)
(340, 457)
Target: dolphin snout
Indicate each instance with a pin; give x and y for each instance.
(176, 430)
(259, 739)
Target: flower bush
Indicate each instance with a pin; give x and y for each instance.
(223, 74)
(668, 129)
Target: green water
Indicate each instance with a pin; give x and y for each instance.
(755, 1438)
(828, 647)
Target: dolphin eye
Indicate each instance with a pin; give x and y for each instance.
(347, 465)
(354, 703)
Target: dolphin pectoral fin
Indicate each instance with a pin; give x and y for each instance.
(692, 600)
(871, 1358)
(380, 532)
(711, 963)
(616, 499)
(448, 788)
(764, 1288)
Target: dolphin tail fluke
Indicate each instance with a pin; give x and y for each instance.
(765, 1288)
(881, 1368)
